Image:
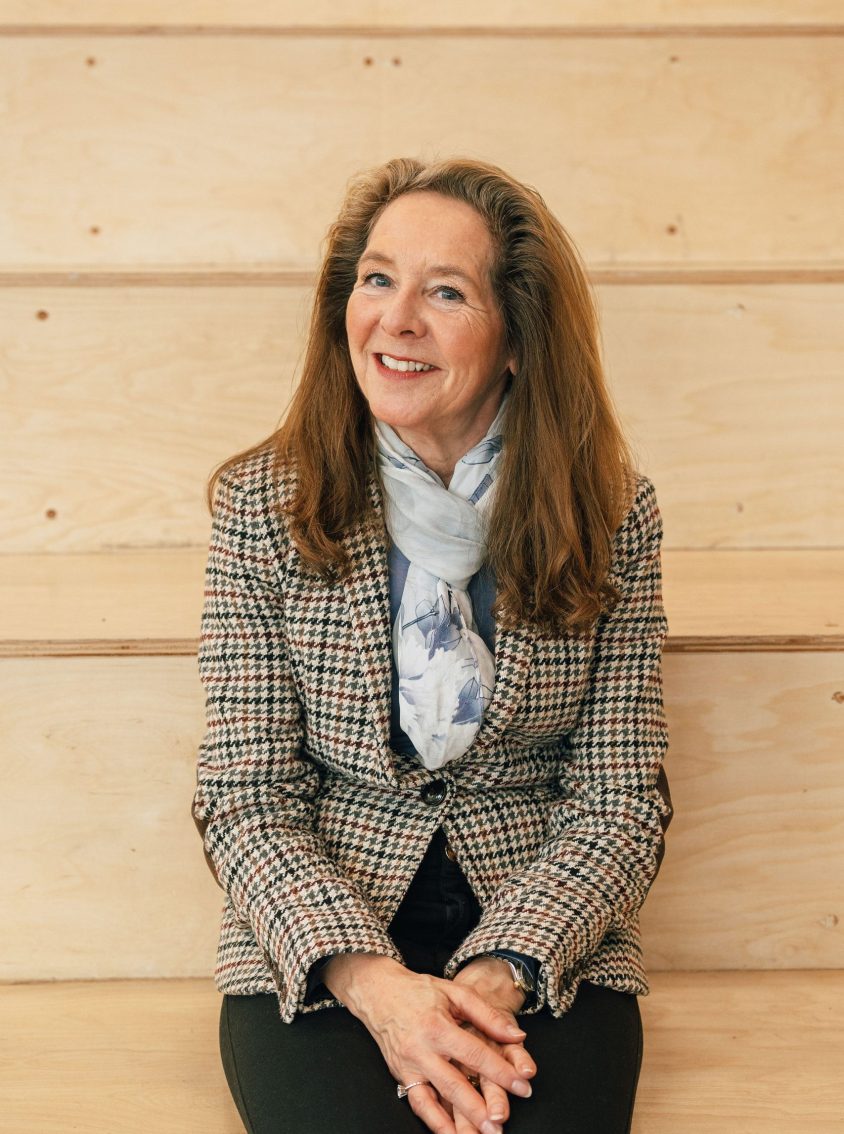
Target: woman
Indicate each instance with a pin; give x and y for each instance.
(431, 785)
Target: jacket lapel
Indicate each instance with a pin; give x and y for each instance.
(367, 590)
(514, 648)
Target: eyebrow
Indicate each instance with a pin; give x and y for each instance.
(435, 269)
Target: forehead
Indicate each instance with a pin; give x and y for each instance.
(433, 229)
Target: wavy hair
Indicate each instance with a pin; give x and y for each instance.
(567, 476)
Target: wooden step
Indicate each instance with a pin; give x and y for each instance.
(722, 386)
(261, 182)
(371, 16)
(725, 1053)
(99, 768)
(149, 602)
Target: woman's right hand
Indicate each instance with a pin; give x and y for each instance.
(416, 1020)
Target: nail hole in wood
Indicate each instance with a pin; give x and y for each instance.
(42, 314)
(51, 513)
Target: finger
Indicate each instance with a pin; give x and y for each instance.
(497, 1101)
(467, 1102)
(462, 1124)
(498, 1107)
(493, 1022)
(426, 1106)
(517, 1054)
(478, 1056)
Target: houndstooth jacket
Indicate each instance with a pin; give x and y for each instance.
(314, 826)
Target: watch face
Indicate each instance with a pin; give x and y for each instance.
(525, 978)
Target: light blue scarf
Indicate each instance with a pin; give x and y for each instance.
(446, 672)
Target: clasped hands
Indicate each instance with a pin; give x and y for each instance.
(442, 1032)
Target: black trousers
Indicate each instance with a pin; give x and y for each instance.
(323, 1073)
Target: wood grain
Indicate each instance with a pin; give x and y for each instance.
(150, 601)
(139, 151)
(98, 758)
(103, 868)
(734, 400)
(742, 1053)
(752, 875)
(724, 1053)
(136, 1057)
(118, 402)
(480, 14)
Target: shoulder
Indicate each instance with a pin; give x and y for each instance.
(640, 533)
(258, 477)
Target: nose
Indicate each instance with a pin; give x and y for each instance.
(402, 314)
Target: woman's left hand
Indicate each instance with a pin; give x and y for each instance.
(490, 978)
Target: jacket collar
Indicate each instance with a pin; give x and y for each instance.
(367, 591)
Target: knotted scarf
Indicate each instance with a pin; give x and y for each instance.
(446, 672)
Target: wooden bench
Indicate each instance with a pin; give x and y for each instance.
(725, 1053)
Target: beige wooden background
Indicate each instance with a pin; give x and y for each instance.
(169, 172)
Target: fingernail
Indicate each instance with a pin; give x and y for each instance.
(497, 1114)
(525, 1070)
(514, 1031)
(520, 1087)
(491, 1128)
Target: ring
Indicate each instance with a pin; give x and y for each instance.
(475, 1080)
(402, 1088)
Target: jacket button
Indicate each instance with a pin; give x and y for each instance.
(434, 792)
(449, 853)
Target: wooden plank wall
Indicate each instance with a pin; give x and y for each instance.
(170, 173)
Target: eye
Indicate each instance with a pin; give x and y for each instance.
(376, 279)
(451, 294)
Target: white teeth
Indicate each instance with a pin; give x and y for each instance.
(402, 365)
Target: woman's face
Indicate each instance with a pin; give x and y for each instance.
(425, 333)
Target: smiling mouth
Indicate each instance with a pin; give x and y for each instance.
(403, 365)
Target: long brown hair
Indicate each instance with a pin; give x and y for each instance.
(567, 476)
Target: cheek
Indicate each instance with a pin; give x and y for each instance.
(357, 322)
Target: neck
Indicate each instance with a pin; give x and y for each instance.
(440, 459)
(441, 453)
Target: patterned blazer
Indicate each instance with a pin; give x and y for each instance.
(314, 826)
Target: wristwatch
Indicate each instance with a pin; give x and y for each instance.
(522, 977)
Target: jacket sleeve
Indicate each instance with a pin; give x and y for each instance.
(254, 800)
(606, 835)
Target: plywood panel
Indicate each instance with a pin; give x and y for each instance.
(103, 871)
(752, 873)
(116, 603)
(734, 399)
(742, 1053)
(160, 150)
(98, 757)
(436, 13)
(734, 595)
(117, 402)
